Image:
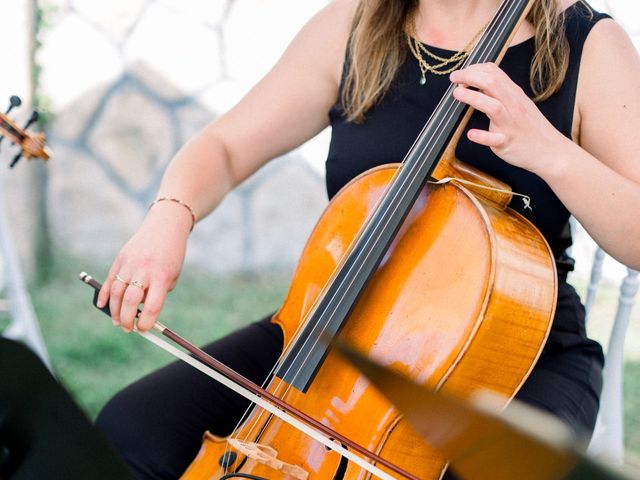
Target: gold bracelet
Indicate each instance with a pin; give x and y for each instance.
(180, 202)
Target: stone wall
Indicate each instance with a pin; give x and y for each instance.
(129, 82)
(19, 186)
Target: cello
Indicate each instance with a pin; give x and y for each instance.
(442, 282)
(31, 145)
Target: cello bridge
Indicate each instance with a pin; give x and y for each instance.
(268, 456)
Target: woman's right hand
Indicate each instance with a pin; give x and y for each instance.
(147, 267)
(306, 83)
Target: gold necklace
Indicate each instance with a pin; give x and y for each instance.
(457, 59)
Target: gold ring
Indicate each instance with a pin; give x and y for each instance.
(138, 284)
(120, 279)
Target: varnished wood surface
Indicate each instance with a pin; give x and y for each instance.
(32, 145)
(463, 300)
(483, 185)
(472, 434)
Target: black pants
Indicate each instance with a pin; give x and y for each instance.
(156, 424)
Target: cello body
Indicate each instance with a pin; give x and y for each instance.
(462, 301)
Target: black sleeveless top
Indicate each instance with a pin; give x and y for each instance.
(395, 122)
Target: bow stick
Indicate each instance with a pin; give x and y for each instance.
(261, 397)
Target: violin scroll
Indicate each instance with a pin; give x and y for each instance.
(31, 145)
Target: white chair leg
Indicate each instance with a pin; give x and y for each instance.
(608, 436)
(24, 324)
(596, 275)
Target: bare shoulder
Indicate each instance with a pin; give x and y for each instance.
(290, 104)
(326, 34)
(607, 34)
(607, 37)
(610, 65)
(608, 97)
(341, 10)
(334, 20)
(564, 4)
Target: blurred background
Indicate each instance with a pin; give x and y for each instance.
(121, 85)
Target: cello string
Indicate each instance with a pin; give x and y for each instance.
(451, 108)
(298, 331)
(423, 161)
(316, 435)
(420, 164)
(296, 335)
(417, 165)
(356, 238)
(491, 42)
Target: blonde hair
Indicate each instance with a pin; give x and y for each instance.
(377, 48)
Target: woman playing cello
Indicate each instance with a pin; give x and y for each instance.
(547, 122)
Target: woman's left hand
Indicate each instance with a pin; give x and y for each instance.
(518, 132)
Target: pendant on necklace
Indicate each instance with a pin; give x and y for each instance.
(423, 80)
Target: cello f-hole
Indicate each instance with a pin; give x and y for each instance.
(342, 468)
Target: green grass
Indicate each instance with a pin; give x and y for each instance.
(599, 328)
(4, 321)
(94, 359)
(632, 407)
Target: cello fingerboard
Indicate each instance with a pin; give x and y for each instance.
(311, 346)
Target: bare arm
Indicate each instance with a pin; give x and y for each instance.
(287, 107)
(598, 178)
(600, 182)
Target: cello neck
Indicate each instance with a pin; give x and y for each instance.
(432, 152)
(306, 353)
(9, 128)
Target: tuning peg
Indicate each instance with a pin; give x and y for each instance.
(34, 118)
(15, 160)
(14, 101)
